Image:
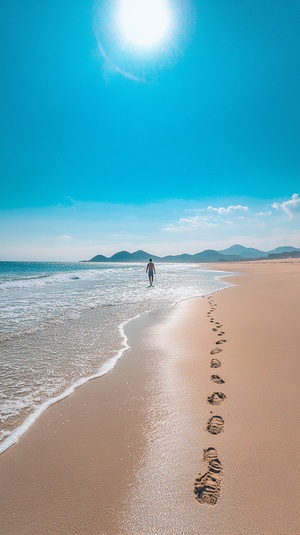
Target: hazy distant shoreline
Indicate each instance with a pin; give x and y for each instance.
(235, 253)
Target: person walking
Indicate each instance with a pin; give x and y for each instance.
(150, 270)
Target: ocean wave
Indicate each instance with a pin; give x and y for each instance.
(43, 280)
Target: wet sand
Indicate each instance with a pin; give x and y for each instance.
(207, 399)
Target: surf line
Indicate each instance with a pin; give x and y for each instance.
(15, 436)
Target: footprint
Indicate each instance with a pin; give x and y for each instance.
(215, 363)
(217, 379)
(215, 329)
(221, 341)
(216, 398)
(216, 350)
(207, 487)
(221, 333)
(215, 425)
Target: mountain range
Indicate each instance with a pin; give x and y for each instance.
(234, 253)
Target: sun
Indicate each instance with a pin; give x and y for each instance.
(144, 23)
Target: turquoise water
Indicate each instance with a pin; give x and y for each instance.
(62, 324)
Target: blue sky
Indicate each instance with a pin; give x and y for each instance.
(192, 145)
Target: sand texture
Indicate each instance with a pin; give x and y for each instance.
(195, 431)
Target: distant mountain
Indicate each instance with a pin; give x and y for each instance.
(183, 258)
(125, 256)
(244, 252)
(98, 258)
(142, 256)
(235, 253)
(209, 255)
(287, 249)
(251, 253)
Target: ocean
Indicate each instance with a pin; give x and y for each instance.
(62, 324)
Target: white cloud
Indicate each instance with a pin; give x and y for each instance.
(291, 208)
(223, 210)
(196, 222)
(174, 228)
(188, 224)
(192, 221)
(267, 213)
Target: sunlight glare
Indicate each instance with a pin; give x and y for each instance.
(144, 23)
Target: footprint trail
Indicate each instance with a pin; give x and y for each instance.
(207, 485)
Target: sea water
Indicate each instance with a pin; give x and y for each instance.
(61, 324)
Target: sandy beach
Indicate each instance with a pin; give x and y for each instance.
(194, 432)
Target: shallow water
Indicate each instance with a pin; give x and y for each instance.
(62, 324)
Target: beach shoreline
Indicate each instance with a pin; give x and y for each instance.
(66, 327)
(123, 453)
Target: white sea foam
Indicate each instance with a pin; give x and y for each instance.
(59, 334)
(45, 279)
(15, 435)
